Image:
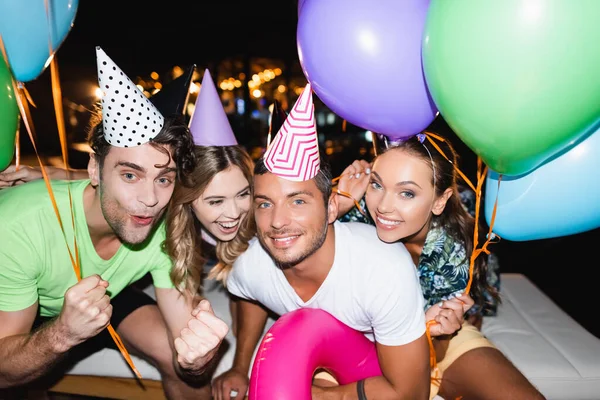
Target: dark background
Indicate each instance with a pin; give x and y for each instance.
(142, 37)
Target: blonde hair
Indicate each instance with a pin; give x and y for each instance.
(183, 229)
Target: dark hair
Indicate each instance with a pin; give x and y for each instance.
(322, 179)
(174, 134)
(183, 229)
(455, 218)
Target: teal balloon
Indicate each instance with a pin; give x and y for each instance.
(27, 32)
(9, 116)
(516, 80)
(559, 198)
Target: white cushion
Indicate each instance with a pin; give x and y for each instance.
(552, 350)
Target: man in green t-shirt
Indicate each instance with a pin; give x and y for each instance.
(113, 224)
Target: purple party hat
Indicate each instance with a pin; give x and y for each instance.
(209, 124)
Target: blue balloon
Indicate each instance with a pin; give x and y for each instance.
(559, 198)
(26, 32)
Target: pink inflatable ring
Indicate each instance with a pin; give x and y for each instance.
(299, 343)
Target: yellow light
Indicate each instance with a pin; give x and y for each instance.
(281, 88)
(154, 75)
(256, 78)
(223, 85)
(256, 93)
(98, 92)
(277, 71)
(158, 85)
(237, 83)
(195, 88)
(140, 87)
(177, 72)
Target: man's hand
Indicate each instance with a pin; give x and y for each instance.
(449, 315)
(86, 311)
(354, 181)
(200, 339)
(230, 381)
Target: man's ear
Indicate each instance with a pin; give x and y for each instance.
(93, 170)
(332, 208)
(440, 203)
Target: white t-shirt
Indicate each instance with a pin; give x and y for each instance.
(372, 286)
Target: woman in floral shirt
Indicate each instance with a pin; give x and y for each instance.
(411, 195)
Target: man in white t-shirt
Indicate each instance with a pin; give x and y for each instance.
(303, 258)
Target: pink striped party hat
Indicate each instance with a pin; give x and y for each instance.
(294, 152)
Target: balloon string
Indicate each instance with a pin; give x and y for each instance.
(491, 237)
(60, 122)
(17, 150)
(374, 141)
(57, 96)
(356, 203)
(431, 135)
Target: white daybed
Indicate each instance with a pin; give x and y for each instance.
(556, 353)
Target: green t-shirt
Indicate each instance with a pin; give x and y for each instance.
(35, 263)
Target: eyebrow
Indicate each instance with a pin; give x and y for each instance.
(222, 197)
(289, 195)
(401, 183)
(131, 165)
(300, 192)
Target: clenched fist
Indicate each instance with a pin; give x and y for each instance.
(86, 310)
(200, 339)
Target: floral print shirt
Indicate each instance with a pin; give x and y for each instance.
(443, 265)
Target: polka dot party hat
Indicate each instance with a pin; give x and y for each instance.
(294, 152)
(128, 117)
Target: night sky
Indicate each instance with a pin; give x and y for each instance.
(141, 36)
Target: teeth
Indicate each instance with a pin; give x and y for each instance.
(387, 221)
(228, 224)
(287, 239)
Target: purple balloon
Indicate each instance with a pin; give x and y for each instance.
(363, 60)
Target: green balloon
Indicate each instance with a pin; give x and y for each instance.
(517, 80)
(9, 116)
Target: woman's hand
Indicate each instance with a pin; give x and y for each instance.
(449, 315)
(353, 181)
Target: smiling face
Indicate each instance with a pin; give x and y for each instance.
(291, 217)
(135, 185)
(400, 196)
(224, 204)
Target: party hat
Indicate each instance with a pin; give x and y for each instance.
(128, 117)
(173, 97)
(294, 152)
(278, 116)
(209, 124)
